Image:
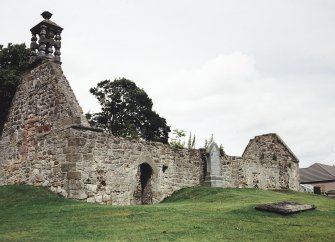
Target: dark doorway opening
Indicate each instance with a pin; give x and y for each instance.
(143, 193)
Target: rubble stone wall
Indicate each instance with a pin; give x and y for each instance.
(79, 163)
(43, 102)
(47, 141)
(266, 163)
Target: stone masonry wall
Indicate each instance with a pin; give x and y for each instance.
(230, 166)
(82, 164)
(44, 102)
(45, 99)
(47, 141)
(266, 163)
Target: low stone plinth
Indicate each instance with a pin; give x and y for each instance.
(214, 181)
(285, 208)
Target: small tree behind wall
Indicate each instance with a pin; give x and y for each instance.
(176, 141)
(126, 111)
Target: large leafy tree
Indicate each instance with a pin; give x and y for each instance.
(14, 60)
(126, 111)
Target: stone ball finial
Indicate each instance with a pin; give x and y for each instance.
(46, 15)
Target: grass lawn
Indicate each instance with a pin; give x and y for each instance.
(194, 214)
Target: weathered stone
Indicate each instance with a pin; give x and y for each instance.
(45, 183)
(106, 198)
(285, 208)
(75, 141)
(91, 188)
(98, 198)
(74, 175)
(77, 194)
(91, 200)
(88, 157)
(213, 175)
(73, 157)
(65, 167)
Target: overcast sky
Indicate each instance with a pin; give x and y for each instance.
(234, 69)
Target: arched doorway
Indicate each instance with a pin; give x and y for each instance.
(143, 192)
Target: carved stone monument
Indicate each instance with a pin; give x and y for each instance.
(213, 176)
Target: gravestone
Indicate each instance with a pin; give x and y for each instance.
(285, 208)
(213, 175)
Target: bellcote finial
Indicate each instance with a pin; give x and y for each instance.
(46, 15)
(49, 40)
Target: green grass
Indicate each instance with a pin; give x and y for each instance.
(194, 214)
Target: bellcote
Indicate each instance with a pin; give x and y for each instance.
(46, 40)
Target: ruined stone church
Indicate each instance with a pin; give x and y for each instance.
(47, 141)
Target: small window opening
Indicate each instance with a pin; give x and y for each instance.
(164, 168)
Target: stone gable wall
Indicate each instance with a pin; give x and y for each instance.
(266, 163)
(44, 102)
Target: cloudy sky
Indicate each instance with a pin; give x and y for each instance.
(234, 69)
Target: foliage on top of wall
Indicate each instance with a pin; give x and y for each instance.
(176, 141)
(274, 157)
(14, 60)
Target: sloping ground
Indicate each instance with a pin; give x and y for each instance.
(194, 214)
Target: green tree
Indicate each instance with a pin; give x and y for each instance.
(176, 141)
(14, 60)
(126, 111)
